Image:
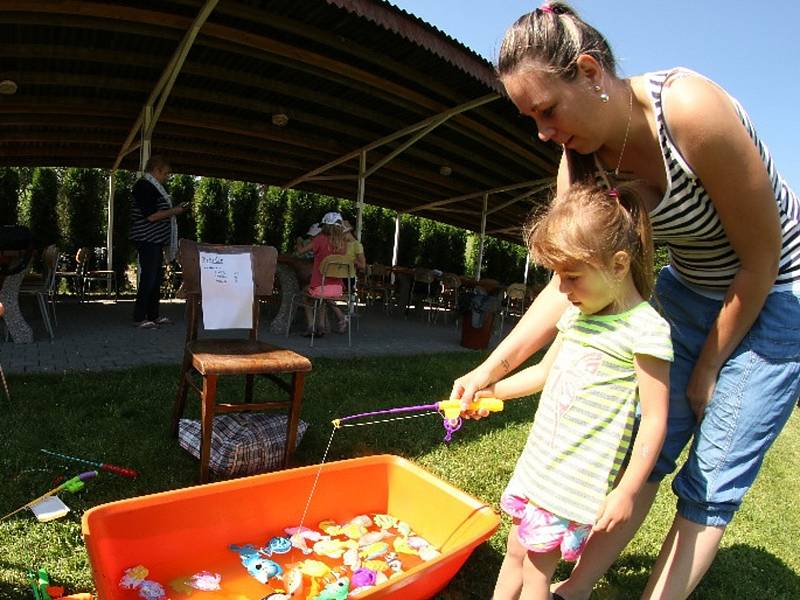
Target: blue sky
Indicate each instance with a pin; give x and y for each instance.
(749, 48)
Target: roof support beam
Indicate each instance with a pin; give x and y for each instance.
(483, 235)
(497, 190)
(435, 120)
(164, 85)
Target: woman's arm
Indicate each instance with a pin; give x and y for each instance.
(525, 382)
(535, 329)
(160, 215)
(653, 377)
(716, 145)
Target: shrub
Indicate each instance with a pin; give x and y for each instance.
(270, 216)
(181, 188)
(123, 247)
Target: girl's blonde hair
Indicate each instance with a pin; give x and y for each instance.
(336, 238)
(590, 224)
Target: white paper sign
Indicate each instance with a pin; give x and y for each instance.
(226, 282)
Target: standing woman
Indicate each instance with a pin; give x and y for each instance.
(153, 227)
(731, 291)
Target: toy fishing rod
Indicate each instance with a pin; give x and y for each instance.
(449, 409)
(73, 485)
(116, 469)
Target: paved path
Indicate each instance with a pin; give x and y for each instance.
(99, 335)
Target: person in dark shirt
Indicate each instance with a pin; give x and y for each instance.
(153, 227)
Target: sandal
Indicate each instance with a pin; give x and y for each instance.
(318, 334)
(163, 321)
(146, 324)
(342, 326)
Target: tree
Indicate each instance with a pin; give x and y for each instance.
(181, 188)
(211, 210)
(270, 213)
(9, 195)
(82, 212)
(242, 207)
(41, 206)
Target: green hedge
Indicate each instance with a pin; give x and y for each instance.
(9, 195)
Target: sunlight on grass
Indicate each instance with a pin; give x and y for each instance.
(123, 417)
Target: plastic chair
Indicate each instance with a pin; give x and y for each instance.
(212, 358)
(45, 289)
(332, 266)
(515, 302)
(84, 259)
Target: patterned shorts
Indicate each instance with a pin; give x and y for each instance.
(539, 530)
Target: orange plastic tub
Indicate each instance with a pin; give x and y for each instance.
(185, 531)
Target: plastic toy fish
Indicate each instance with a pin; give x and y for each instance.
(133, 577)
(428, 553)
(300, 535)
(151, 590)
(331, 528)
(373, 536)
(205, 581)
(354, 530)
(350, 559)
(335, 591)
(404, 528)
(262, 569)
(401, 546)
(364, 577)
(278, 545)
(362, 520)
(314, 568)
(374, 550)
(385, 521)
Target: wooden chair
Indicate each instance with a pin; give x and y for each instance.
(88, 274)
(426, 277)
(378, 285)
(447, 301)
(211, 358)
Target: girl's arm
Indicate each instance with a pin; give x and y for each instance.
(716, 145)
(653, 376)
(305, 248)
(526, 382)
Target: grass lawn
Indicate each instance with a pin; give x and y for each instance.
(122, 417)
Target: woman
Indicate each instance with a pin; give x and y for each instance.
(731, 292)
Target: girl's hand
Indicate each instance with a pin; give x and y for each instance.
(487, 392)
(700, 389)
(617, 508)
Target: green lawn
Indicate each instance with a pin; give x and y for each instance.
(123, 417)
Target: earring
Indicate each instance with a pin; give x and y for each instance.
(604, 98)
(598, 90)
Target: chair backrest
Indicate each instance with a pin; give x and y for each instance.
(379, 272)
(82, 259)
(451, 281)
(264, 262)
(338, 265)
(50, 260)
(516, 291)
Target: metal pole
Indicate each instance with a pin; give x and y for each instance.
(527, 265)
(362, 168)
(110, 228)
(483, 236)
(396, 248)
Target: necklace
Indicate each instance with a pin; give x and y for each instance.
(627, 129)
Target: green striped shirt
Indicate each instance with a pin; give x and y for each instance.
(584, 424)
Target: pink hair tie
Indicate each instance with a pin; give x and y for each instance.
(614, 193)
(546, 8)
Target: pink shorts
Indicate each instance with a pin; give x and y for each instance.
(539, 530)
(329, 290)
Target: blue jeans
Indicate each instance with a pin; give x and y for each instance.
(755, 394)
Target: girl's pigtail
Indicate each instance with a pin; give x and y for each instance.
(629, 197)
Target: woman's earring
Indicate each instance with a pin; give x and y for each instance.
(598, 90)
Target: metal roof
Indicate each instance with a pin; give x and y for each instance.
(345, 73)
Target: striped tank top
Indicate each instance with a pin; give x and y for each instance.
(687, 222)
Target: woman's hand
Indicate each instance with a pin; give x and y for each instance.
(617, 508)
(466, 386)
(700, 389)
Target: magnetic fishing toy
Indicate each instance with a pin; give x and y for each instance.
(449, 409)
(73, 485)
(116, 469)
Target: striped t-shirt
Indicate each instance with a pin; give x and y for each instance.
(584, 423)
(147, 199)
(688, 223)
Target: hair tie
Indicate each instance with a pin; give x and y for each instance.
(546, 8)
(614, 193)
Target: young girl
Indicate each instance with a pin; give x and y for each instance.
(330, 241)
(611, 355)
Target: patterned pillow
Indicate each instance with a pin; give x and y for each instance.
(241, 443)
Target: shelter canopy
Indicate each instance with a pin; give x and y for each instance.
(270, 91)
